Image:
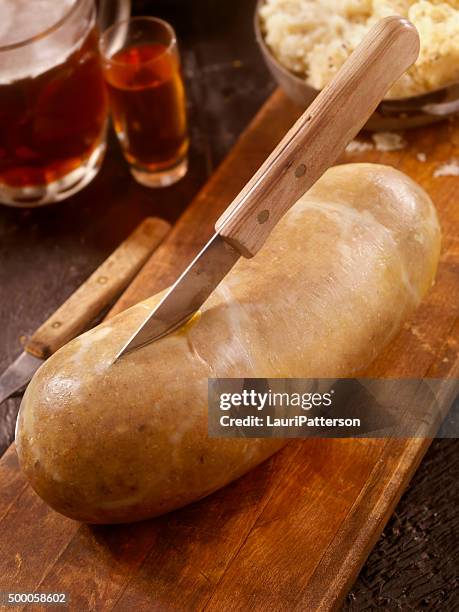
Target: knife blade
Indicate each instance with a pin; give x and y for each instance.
(187, 294)
(83, 306)
(314, 142)
(17, 375)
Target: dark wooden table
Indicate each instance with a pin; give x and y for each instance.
(45, 254)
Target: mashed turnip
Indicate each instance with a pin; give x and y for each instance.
(313, 38)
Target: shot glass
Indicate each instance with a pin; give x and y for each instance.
(147, 98)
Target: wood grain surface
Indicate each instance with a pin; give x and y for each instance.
(293, 533)
(414, 564)
(98, 292)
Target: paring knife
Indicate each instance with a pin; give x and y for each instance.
(313, 144)
(85, 304)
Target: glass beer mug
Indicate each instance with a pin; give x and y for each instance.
(53, 102)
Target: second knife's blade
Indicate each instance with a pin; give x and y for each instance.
(17, 375)
(187, 294)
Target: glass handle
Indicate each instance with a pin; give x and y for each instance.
(112, 11)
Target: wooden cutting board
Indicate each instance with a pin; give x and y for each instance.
(293, 533)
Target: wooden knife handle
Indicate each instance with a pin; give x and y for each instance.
(105, 284)
(320, 135)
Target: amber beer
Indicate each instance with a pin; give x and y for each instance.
(53, 105)
(147, 99)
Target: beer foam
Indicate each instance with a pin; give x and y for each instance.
(21, 20)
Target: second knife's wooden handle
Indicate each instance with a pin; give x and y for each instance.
(99, 290)
(320, 135)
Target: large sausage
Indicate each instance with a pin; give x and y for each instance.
(104, 442)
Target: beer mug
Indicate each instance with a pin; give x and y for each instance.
(53, 101)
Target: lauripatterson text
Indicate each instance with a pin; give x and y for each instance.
(295, 421)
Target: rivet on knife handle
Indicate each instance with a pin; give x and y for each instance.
(302, 156)
(103, 286)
